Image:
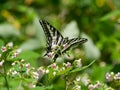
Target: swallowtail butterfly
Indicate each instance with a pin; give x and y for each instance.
(56, 43)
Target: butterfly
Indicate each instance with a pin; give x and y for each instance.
(56, 43)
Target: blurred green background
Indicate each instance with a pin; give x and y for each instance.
(96, 20)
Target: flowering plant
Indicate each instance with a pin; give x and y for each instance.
(43, 77)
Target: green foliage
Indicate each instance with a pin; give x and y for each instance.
(96, 20)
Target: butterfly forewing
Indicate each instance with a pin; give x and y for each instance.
(55, 38)
(52, 35)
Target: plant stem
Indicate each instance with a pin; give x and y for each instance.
(5, 76)
(67, 83)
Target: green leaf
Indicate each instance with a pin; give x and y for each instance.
(1, 43)
(30, 44)
(71, 30)
(98, 72)
(110, 15)
(7, 30)
(82, 68)
(28, 55)
(39, 88)
(39, 32)
(91, 51)
(64, 72)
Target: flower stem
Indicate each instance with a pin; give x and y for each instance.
(5, 76)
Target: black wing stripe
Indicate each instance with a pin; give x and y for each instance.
(74, 41)
(60, 39)
(47, 33)
(45, 28)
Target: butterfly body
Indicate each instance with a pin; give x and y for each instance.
(56, 43)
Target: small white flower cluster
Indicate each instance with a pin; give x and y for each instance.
(95, 86)
(117, 76)
(112, 76)
(109, 76)
(84, 80)
(53, 68)
(68, 64)
(41, 70)
(3, 50)
(16, 53)
(78, 63)
(8, 46)
(50, 54)
(23, 70)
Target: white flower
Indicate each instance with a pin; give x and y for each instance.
(117, 76)
(91, 87)
(10, 44)
(54, 73)
(27, 65)
(14, 73)
(63, 68)
(3, 49)
(1, 63)
(47, 71)
(19, 50)
(85, 80)
(50, 54)
(33, 86)
(109, 76)
(54, 66)
(15, 55)
(78, 79)
(98, 84)
(79, 63)
(68, 64)
(65, 46)
(41, 70)
(78, 87)
(35, 75)
(13, 64)
(22, 60)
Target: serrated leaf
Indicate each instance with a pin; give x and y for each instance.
(82, 68)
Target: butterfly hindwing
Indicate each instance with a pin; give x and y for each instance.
(72, 42)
